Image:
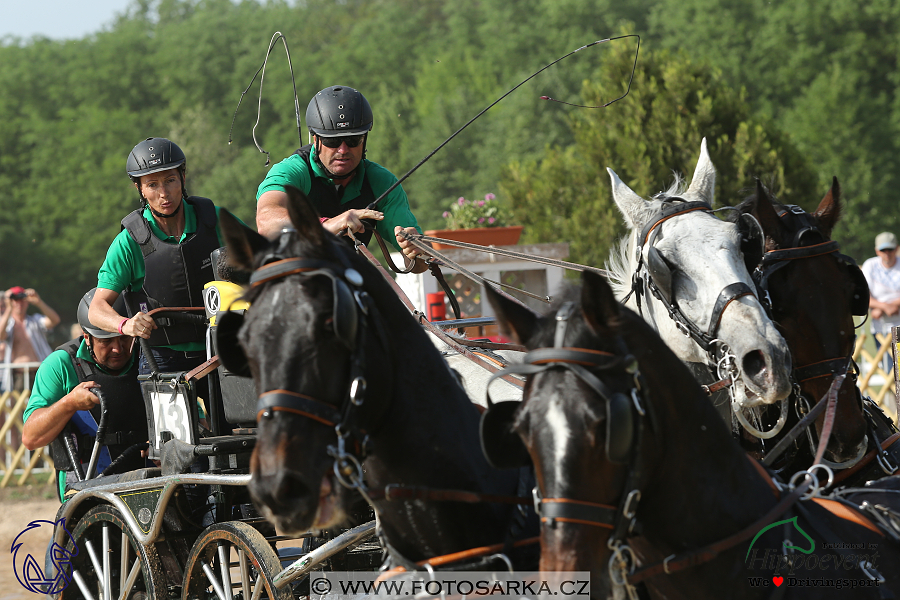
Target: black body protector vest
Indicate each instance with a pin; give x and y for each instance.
(175, 273)
(327, 199)
(126, 421)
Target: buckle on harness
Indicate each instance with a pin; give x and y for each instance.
(884, 461)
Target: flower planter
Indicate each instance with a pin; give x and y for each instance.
(484, 236)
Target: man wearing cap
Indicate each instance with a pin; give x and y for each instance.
(25, 335)
(883, 276)
(337, 178)
(63, 396)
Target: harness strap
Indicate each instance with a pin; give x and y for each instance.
(822, 368)
(396, 491)
(667, 211)
(773, 256)
(728, 294)
(286, 266)
(693, 558)
(300, 404)
(577, 511)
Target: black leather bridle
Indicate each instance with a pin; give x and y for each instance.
(707, 340)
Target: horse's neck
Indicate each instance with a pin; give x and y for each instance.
(430, 434)
(722, 491)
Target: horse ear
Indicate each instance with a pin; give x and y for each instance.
(829, 211)
(703, 184)
(635, 209)
(765, 213)
(243, 243)
(598, 303)
(516, 321)
(304, 217)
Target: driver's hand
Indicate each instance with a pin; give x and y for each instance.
(81, 397)
(352, 220)
(408, 250)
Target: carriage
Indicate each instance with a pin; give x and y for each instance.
(187, 528)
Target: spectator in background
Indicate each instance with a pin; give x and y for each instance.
(883, 276)
(25, 335)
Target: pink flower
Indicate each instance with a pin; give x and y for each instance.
(481, 220)
(489, 197)
(491, 220)
(446, 214)
(461, 201)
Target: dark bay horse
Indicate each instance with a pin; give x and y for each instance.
(351, 388)
(631, 456)
(813, 292)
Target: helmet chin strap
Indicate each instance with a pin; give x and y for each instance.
(159, 215)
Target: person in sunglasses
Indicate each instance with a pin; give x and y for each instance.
(337, 178)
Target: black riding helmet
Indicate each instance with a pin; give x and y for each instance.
(86, 325)
(338, 111)
(152, 156)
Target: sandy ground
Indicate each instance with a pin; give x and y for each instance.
(18, 507)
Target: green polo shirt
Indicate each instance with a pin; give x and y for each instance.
(54, 379)
(124, 265)
(293, 171)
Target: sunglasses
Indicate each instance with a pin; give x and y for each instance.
(335, 142)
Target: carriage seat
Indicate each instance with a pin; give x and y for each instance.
(177, 456)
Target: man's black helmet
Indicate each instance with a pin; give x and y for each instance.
(152, 156)
(85, 322)
(337, 111)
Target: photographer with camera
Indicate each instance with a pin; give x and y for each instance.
(25, 335)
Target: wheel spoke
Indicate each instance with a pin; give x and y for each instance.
(245, 573)
(132, 577)
(212, 580)
(258, 588)
(98, 569)
(123, 566)
(107, 574)
(82, 585)
(225, 566)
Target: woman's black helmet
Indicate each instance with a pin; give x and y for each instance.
(337, 111)
(152, 156)
(83, 320)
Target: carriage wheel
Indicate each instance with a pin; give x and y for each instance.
(111, 563)
(229, 559)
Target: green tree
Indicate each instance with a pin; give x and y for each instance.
(674, 103)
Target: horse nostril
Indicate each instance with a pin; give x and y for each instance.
(290, 489)
(754, 363)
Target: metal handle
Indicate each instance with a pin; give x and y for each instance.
(101, 431)
(145, 345)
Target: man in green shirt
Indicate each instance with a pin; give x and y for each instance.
(63, 398)
(160, 258)
(337, 178)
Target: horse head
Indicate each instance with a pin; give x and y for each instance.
(579, 440)
(688, 272)
(300, 342)
(814, 291)
(614, 422)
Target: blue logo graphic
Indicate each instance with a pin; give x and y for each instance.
(28, 569)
